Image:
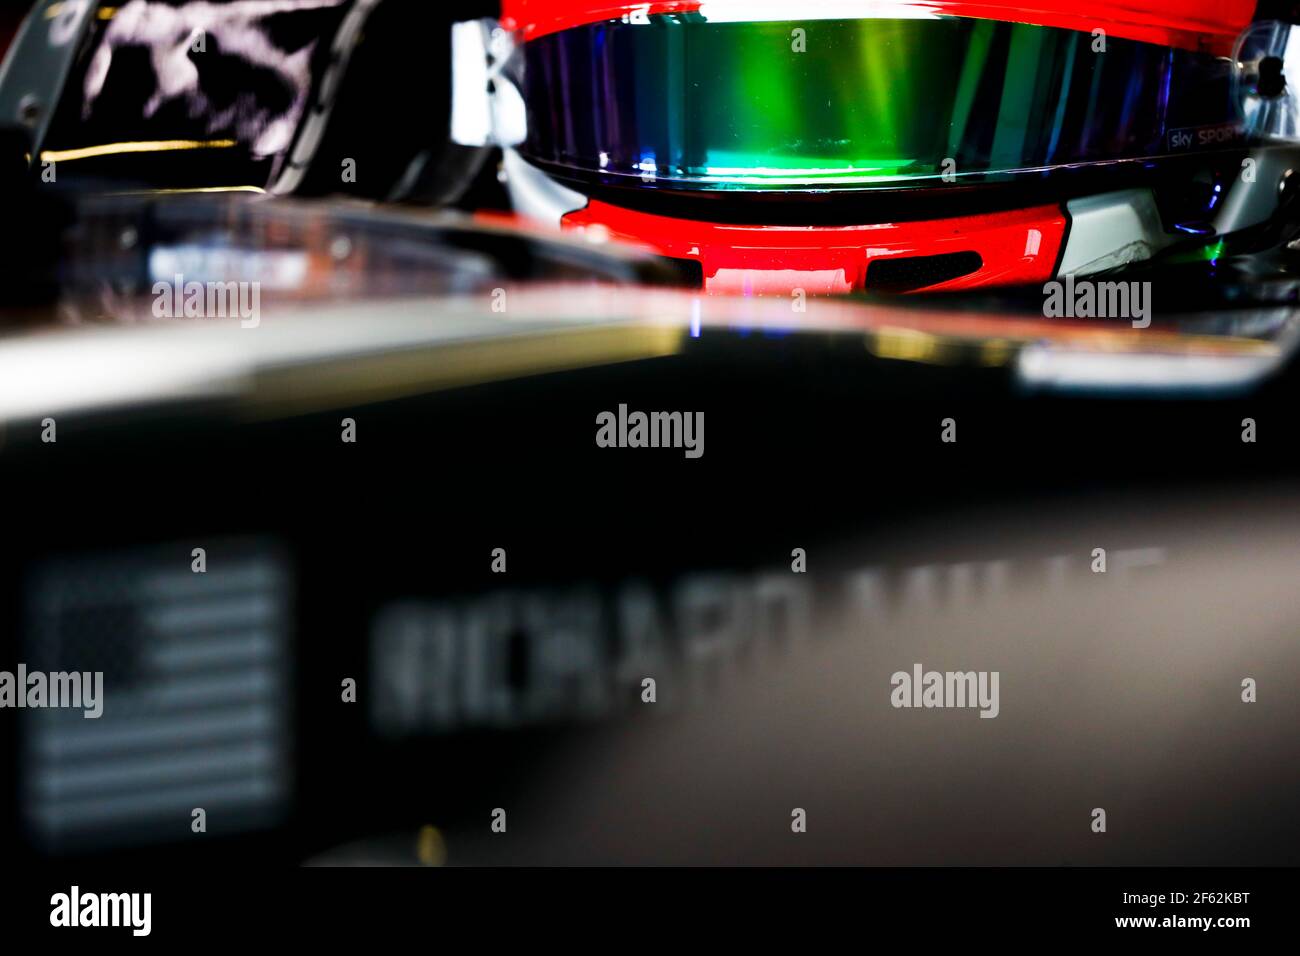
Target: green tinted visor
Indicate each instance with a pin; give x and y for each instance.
(812, 104)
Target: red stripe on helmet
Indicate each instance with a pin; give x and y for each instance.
(1211, 25)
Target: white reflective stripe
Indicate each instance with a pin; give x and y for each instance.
(1055, 367)
(753, 11)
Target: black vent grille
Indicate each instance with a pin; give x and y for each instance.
(905, 273)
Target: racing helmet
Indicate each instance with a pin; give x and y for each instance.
(841, 145)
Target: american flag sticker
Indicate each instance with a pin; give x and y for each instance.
(196, 694)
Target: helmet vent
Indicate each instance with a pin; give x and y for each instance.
(906, 273)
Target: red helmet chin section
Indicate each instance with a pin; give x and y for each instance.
(1018, 246)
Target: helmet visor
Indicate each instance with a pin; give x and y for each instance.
(677, 100)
